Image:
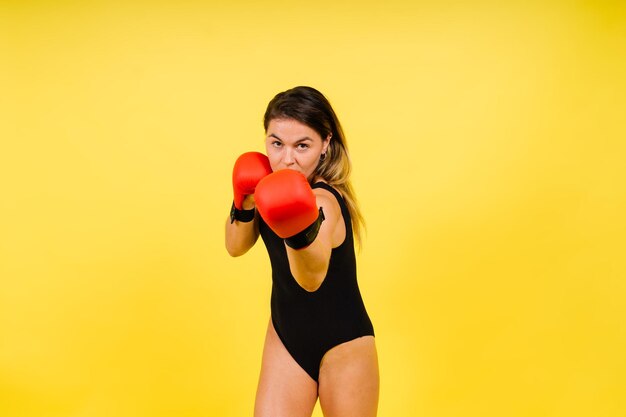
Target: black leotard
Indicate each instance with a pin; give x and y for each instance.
(311, 323)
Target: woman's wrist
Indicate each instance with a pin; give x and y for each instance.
(244, 216)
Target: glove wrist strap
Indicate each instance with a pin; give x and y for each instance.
(308, 235)
(243, 216)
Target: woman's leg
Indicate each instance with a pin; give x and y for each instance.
(285, 389)
(349, 380)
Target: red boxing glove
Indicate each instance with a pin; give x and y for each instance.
(249, 169)
(287, 204)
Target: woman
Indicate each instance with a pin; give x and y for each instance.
(320, 340)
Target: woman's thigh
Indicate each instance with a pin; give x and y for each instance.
(349, 379)
(285, 389)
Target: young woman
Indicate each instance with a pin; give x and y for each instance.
(320, 340)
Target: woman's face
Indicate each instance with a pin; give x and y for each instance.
(293, 145)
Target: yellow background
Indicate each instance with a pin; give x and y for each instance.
(488, 141)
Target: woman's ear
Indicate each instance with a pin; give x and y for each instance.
(327, 140)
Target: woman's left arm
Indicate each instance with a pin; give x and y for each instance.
(293, 210)
(309, 265)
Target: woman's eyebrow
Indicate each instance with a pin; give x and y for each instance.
(297, 141)
(304, 139)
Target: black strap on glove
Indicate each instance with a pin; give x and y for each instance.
(243, 216)
(308, 235)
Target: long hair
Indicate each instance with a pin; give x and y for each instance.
(310, 107)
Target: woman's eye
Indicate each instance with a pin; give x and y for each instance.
(276, 144)
(303, 146)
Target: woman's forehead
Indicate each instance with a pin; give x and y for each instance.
(291, 129)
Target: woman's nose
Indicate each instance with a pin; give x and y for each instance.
(288, 157)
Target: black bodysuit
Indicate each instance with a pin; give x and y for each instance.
(311, 323)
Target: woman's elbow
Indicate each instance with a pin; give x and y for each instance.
(235, 251)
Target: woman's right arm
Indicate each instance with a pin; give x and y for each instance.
(241, 236)
(249, 169)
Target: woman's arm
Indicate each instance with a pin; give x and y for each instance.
(241, 236)
(249, 169)
(293, 210)
(309, 265)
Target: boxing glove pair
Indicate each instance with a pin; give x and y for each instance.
(283, 198)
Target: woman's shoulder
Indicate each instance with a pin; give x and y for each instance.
(331, 202)
(329, 197)
(321, 184)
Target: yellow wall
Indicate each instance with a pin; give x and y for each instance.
(488, 143)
